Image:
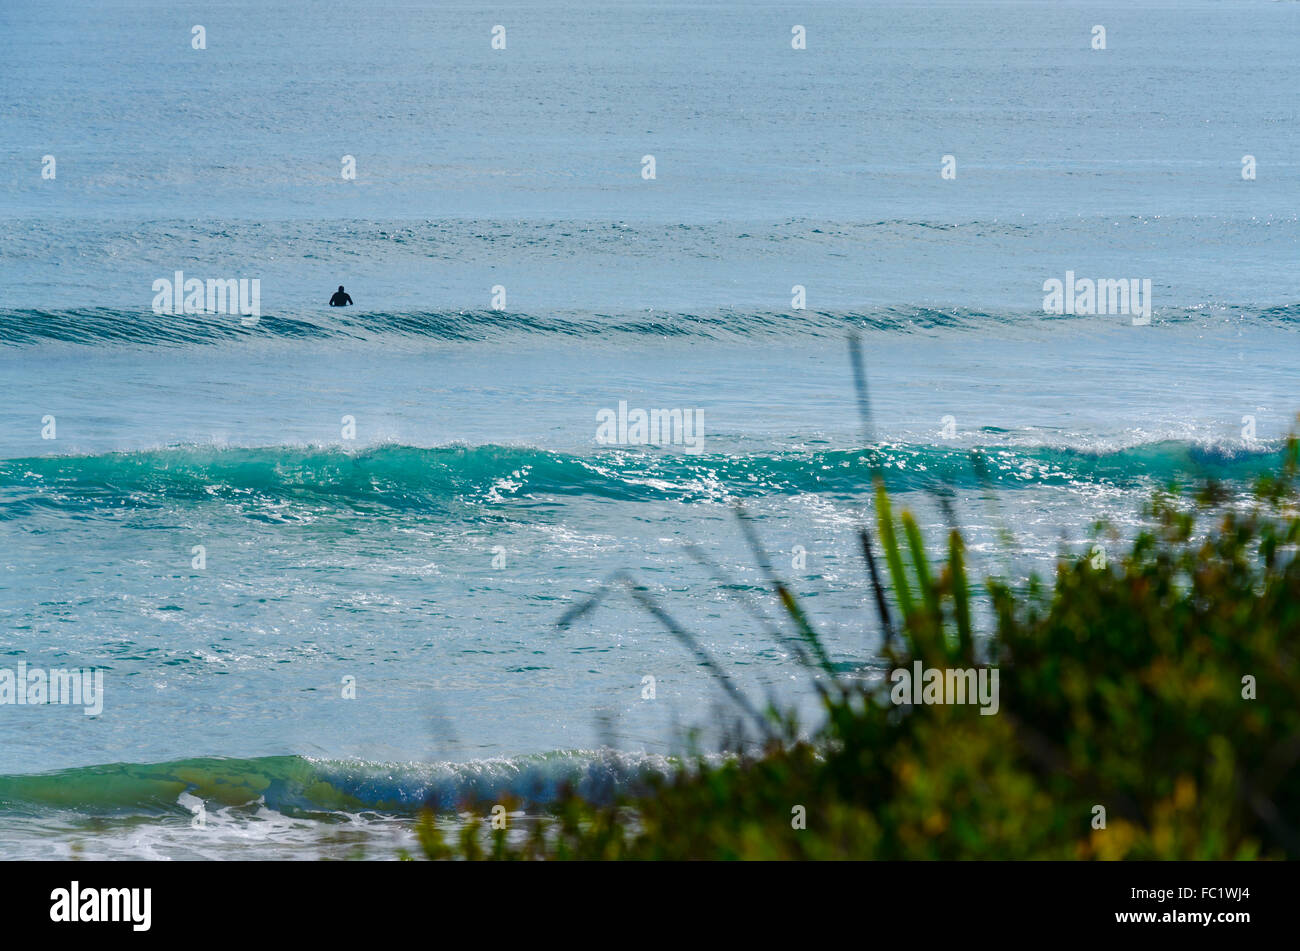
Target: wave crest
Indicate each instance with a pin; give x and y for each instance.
(409, 478)
(296, 785)
(102, 325)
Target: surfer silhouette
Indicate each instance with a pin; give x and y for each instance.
(340, 299)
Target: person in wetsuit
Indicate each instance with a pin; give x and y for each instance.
(340, 299)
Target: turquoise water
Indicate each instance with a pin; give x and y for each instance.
(424, 552)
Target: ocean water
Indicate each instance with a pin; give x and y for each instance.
(405, 496)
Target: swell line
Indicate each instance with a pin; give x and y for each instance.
(410, 478)
(110, 326)
(299, 784)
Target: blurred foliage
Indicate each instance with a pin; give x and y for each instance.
(1122, 685)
